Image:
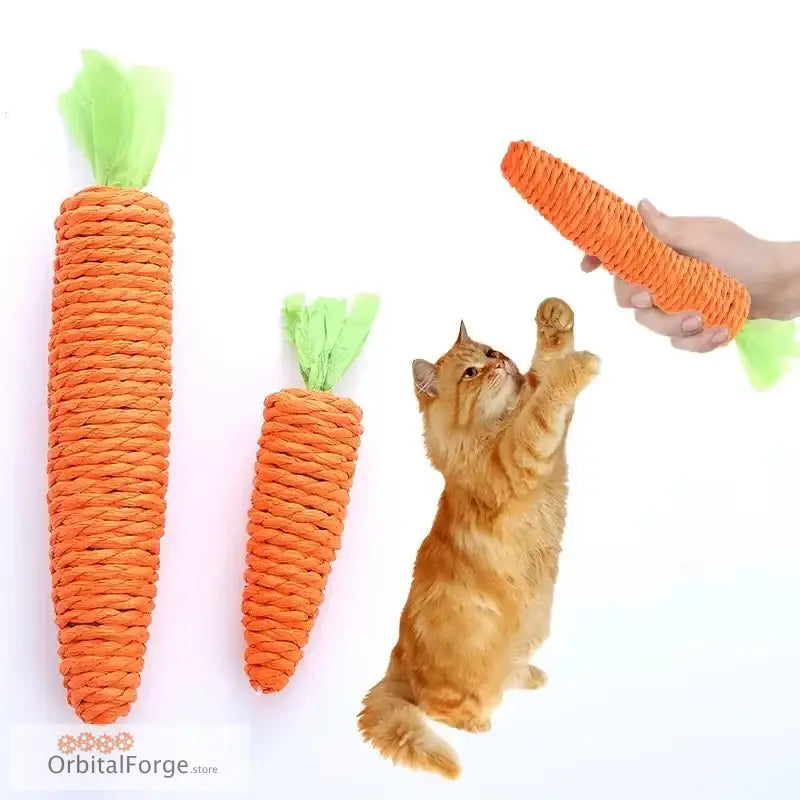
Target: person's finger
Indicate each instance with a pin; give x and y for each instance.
(630, 296)
(590, 263)
(703, 342)
(684, 234)
(672, 325)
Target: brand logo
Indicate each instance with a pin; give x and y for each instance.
(130, 757)
(87, 742)
(108, 754)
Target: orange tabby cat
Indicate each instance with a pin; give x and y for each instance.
(483, 580)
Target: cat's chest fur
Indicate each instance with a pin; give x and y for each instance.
(520, 545)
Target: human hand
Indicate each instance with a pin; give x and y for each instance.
(767, 269)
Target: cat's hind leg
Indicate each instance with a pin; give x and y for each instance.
(555, 321)
(465, 711)
(525, 676)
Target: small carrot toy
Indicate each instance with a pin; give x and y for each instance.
(109, 389)
(304, 470)
(605, 226)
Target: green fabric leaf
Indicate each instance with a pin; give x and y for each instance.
(351, 337)
(75, 109)
(150, 92)
(766, 348)
(117, 118)
(326, 336)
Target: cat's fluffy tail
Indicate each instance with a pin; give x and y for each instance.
(396, 727)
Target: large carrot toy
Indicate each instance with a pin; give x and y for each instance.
(304, 471)
(109, 389)
(605, 226)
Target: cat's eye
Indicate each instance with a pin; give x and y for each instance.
(470, 372)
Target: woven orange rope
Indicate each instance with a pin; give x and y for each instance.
(605, 226)
(304, 471)
(109, 404)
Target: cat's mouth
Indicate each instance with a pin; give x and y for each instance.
(501, 389)
(506, 382)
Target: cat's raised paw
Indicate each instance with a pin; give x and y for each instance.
(588, 368)
(587, 362)
(554, 316)
(575, 371)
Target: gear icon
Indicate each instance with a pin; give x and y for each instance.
(85, 742)
(124, 741)
(67, 745)
(105, 743)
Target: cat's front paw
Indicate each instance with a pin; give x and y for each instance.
(587, 368)
(575, 371)
(554, 316)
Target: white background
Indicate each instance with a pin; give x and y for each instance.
(342, 147)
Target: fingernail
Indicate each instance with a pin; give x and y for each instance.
(641, 300)
(692, 324)
(720, 337)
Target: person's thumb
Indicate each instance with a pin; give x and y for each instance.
(677, 233)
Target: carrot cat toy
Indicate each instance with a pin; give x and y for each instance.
(605, 226)
(109, 389)
(304, 470)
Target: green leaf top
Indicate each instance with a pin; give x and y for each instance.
(326, 336)
(767, 348)
(117, 118)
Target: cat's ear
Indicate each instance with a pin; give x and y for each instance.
(463, 336)
(424, 377)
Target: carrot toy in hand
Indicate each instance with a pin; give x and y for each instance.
(605, 226)
(109, 389)
(304, 470)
